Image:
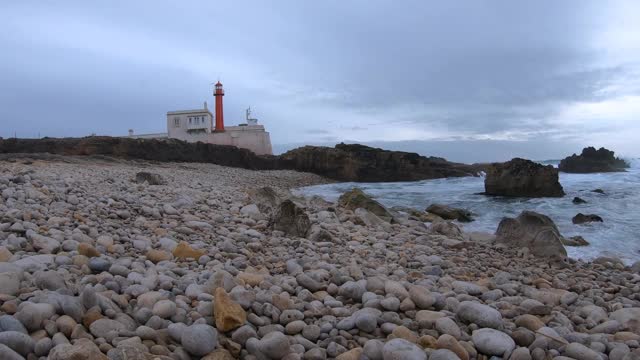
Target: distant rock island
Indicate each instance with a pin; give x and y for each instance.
(593, 161)
(344, 162)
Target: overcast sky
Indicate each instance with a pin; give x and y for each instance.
(467, 80)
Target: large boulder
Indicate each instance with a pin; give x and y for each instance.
(534, 231)
(291, 219)
(356, 198)
(592, 161)
(522, 178)
(266, 198)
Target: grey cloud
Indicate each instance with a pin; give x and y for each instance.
(320, 71)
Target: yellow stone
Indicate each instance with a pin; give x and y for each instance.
(155, 256)
(219, 354)
(251, 279)
(529, 321)
(185, 251)
(227, 313)
(5, 254)
(353, 354)
(404, 333)
(427, 341)
(447, 341)
(87, 250)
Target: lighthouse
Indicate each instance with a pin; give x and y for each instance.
(218, 94)
(197, 125)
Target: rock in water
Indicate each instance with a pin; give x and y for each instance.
(582, 218)
(449, 213)
(522, 178)
(356, 198)
(291, 219)
(150, 178)
(228, 314)
(574, 241)
(534, 231)
(593, 161)
(578, 200)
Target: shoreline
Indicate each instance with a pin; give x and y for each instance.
(120, 277)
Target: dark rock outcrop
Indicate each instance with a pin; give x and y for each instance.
(598, 191)
(145, 149)
(522, 178)
(291, 219)
(577, 200)
(356, 198)
(450, 213)
(583, 219)
(593, 161)
(534, 231)
(361, 163)
(342, 162)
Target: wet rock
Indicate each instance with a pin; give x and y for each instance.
(574, 241)
(582, 218)
(522, 178)
(450, 213)
(577, 200)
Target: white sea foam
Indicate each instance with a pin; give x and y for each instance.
(618, 235)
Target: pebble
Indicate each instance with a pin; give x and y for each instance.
(400, 349)
(199, 339)
(479, 314)
(492, 342)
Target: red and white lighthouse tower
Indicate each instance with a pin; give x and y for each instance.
(218, 94)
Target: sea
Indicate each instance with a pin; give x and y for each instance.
(619, 206)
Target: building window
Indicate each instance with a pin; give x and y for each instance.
(176, 121)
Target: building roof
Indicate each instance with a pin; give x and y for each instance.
(184, 112)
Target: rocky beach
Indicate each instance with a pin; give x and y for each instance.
(110, 258)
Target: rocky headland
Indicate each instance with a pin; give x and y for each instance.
(104, 258)
(342, 162)
(593, 161)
